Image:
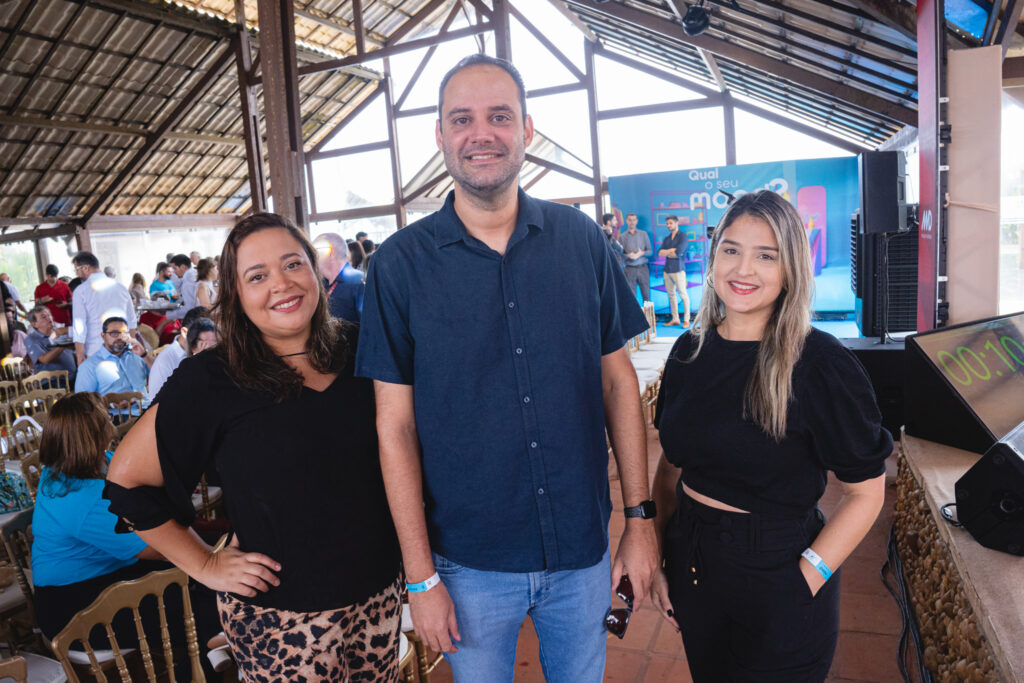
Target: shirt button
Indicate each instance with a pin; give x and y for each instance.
(540, 491)
(526, 399)
(511, 304)
(519, 351)
(533, 444)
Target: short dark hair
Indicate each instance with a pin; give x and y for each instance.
(52, 270)
(86, 258)
(160, 267)
(112, 319)
(195, 314)
(36, 310)
(483, 60)
(631, 213)
(360, 234)
(672, 218)
(181, 260)
(197, 328)
(607, 217)
(368, 246)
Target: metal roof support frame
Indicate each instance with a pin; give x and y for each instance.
(795, 74)
(595, 148)
(281, 104)
(502, 33)
(1007, 27)
(396, 167)
(250, 112)
(757, 110)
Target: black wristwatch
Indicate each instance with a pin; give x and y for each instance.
(645, 510)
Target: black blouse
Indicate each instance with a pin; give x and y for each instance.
(833, 424)
(301, 479)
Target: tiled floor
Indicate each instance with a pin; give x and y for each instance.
(652, 651)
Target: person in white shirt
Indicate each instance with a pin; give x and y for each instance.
(15, 296)
(198, 333)
(96, 299)
(187, 283)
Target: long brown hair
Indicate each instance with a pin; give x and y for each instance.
(77, 435)
(251, 362)
(770, 386)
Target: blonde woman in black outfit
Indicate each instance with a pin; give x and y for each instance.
(308, 588)
(756, 407)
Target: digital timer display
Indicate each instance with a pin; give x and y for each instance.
(984, 362)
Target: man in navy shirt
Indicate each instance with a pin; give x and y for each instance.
(495, 332)
(673, 248)
(344, 283)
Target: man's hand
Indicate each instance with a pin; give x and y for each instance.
(637, 556)
(44, 300)
(433, 617)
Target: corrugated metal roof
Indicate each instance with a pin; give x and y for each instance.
(826, 40)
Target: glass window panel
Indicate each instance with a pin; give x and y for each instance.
(59, 253)
(369, 126)
(662, 142)
(1011, 231)
(377, 229)
(759, 140)
(620, 86)
(139, 251)
(352, 181)
(19, 261)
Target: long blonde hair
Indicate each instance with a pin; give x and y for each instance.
(770, 387)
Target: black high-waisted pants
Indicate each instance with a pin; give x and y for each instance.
(743, 606)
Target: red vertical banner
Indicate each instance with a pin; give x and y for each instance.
(928, 75)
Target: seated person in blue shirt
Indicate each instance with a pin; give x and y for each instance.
(344, 284)
(115, 367)
(162, 282)
(39, 343)
(75, 551)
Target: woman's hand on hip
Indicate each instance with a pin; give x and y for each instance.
(234, 571)
(811, 575)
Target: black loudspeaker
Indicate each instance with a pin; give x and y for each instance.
(882, 180)
(990, 497)
(885, 366)
(867, 256)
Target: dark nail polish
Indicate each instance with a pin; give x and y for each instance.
(669, 612)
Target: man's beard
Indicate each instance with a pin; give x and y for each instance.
(486, 189)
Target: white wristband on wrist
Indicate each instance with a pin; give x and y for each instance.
(424, 586)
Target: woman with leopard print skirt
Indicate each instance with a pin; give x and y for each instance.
(309, 587)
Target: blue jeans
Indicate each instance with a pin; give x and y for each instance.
(567, 609)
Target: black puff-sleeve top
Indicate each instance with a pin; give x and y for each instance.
(833, 424)
(301, 480)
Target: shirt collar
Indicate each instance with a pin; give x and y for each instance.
(107, 355)
(448, 227)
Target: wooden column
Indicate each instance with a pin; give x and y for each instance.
(281, 107)
(502, 30)
(396, 168)
(250, 113)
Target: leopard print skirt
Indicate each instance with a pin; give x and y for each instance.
(351, 644)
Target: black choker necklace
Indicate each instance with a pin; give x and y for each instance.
(289, 355)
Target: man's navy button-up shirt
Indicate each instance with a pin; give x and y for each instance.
(504, 356)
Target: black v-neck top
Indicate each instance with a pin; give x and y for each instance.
(833, 424)
(301, 479)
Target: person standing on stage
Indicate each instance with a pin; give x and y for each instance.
(673, 248)
(637, 246)
(756, 407)
(608, 226)
(495, 330)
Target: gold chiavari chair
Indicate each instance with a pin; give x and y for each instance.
(47, 379)
(128, 595)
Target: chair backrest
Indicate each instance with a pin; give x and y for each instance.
(124, 405)
(9, 390)
(47, 379)
(17, 535)
(31, 471)
(37, 402)
(128, 595)
(149, 334)
(23, 440)
(14, 667)
(13, 368)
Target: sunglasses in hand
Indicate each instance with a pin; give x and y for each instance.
(617, 618)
